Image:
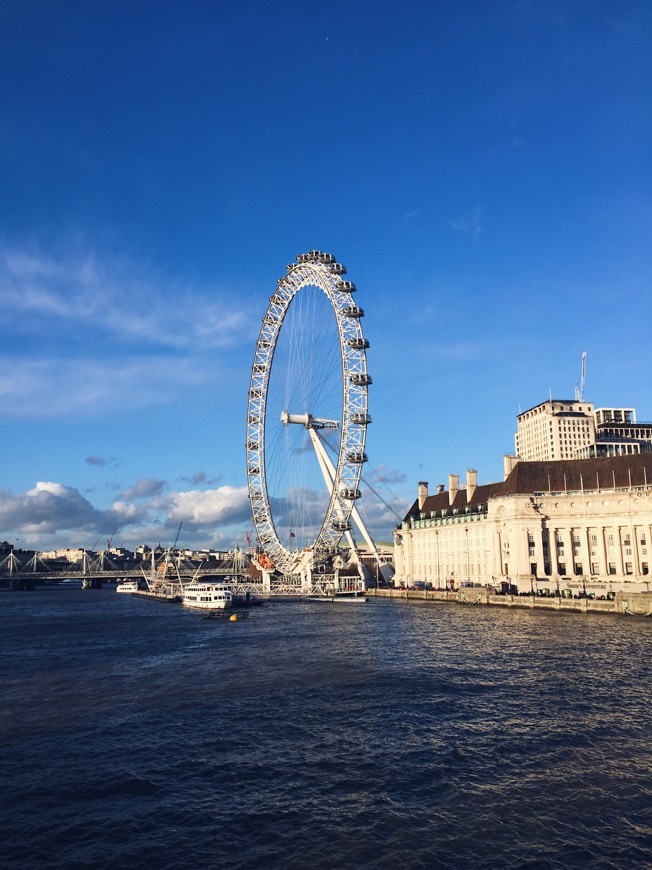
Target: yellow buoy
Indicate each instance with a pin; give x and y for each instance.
(233, 617)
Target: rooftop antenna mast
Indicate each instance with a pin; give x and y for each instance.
(579, 389)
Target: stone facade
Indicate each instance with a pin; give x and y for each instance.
(573, 527)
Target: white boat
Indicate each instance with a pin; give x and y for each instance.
(350, 598)
(344, 589)
(127, 586)
(339, 598)
(207, 595)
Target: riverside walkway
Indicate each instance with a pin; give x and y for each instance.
(624, 603)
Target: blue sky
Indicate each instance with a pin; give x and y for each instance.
(482, 169)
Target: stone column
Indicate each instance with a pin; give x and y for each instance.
(602, 540)
(585, 551)
(620, 564)
(636, 565)
(587, 544)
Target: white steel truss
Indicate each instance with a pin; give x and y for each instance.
(314, 269)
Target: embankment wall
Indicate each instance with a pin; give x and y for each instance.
(625, 604)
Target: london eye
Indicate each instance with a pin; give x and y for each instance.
(307, 415)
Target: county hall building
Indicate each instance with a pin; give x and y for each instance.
(571, 526)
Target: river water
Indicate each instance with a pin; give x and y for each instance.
(137, 734)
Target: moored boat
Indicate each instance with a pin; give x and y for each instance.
(206, 595)
(162, 594)
(339, 598)
(127, 586)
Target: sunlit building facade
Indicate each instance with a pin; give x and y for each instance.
(573, 526)
(574, 429)
(555, 429)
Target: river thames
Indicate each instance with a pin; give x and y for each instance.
(137, 734)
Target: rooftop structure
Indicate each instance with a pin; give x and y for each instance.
(560, 429)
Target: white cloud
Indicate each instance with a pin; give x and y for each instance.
(470, 222)
(118, 297)
(55, 387)
(87, 334)
(53, 514)
(146, 487)
(202, 509)
(386, 475)
(46, 509)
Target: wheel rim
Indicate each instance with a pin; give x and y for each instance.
(310, 361)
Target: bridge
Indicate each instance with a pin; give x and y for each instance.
(240, 585)
(171, 573)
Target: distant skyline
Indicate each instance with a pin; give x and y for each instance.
(482, 169)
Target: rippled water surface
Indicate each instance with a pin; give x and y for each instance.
(137, 734)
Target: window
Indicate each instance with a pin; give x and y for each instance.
(612, 567)
(628, 568)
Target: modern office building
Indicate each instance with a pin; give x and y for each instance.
(578, 526)
(555, 429)
(573, 429)
(617, 433)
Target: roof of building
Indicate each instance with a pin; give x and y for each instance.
(617, 424)
(553, 402)
(604, 473)
(608, 472)
(440, 500)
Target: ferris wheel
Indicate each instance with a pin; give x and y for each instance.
(307, 414)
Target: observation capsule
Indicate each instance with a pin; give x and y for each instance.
(358, 343)
(342, 525)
